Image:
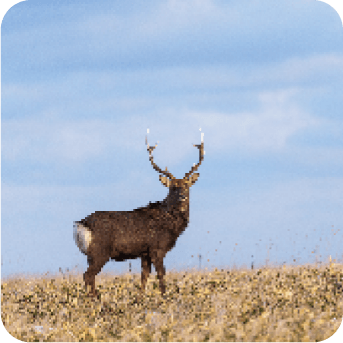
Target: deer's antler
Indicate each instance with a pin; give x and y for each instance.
(150, 149)
(201, 157)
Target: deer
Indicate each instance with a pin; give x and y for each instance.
(147, 232)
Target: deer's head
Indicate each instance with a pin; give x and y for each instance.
(178, 188)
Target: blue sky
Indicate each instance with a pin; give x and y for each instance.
(82, 81)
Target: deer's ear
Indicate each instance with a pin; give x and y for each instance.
(193, 178)
(165, 181)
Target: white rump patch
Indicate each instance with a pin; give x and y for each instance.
(82, 237)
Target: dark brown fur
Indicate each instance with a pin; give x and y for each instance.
(147, 232)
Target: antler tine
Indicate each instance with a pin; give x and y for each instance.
(150, 149)
(201, 157)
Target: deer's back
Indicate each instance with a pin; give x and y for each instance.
(128, 234)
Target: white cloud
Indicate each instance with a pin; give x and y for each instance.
(265, 130)
(64, 140)
(47, 140)
(323, 68)
(168, 33)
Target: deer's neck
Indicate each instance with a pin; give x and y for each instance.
(179, 212)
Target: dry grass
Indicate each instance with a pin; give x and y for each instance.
(301, 303)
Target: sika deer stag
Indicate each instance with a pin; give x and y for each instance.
(147, 232)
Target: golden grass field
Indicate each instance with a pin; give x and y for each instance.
(294, 303)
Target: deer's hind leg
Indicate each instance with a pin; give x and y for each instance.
(95, 264)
